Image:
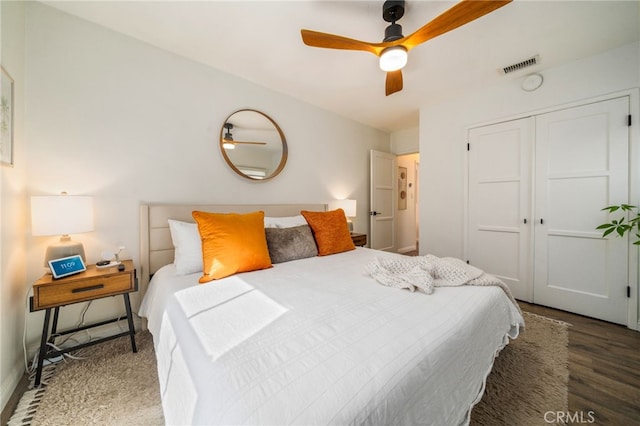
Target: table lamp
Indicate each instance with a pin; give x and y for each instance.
(349, 207)
(62, 215)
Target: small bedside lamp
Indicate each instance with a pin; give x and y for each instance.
(349, 207)
(62, 215)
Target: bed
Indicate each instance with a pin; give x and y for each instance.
(313, 341)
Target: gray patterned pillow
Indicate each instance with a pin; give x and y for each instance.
(287, 244)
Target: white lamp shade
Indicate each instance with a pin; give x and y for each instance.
(349, 206)
(393, 58)
(61, 215)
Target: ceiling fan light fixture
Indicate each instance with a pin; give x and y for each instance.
(393, 58)
(228, 145)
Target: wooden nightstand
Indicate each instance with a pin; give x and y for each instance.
(94, 283)
(359, 239)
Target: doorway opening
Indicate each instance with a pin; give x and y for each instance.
(407, 214)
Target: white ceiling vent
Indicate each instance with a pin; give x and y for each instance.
(534, 60)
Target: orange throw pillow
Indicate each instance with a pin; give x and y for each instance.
(231, 243)
(331, 231)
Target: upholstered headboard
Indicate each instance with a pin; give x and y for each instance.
(156, 248)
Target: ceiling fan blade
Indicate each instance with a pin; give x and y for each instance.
(460, 14)
(332, 41)
(394, 82)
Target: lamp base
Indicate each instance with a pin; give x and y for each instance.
(64, 248)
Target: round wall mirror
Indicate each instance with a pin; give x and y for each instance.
(253, 145)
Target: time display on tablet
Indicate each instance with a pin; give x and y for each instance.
(66, 266)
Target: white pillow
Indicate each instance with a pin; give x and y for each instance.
(284, 222)
(188, 247)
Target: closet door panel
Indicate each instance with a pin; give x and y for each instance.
(583, 270)
(577, 143)
(581, 157)
(507, 244)
(499, 179)
(571, 199)
(497, 210)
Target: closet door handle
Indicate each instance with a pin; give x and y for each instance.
(541, 221)
(525, 220)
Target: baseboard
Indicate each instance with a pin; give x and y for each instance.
(406, 249)
(12, 389)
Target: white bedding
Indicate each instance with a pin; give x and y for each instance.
(316, 341)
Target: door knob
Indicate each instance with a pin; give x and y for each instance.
(374, 213)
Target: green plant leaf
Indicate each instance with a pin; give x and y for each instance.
(621, 225)
(605, 226)
(611, 209)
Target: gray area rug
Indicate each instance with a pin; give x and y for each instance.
(113, 386)
(530, 376)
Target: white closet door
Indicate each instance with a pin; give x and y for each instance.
(499, 205)
(581, 166)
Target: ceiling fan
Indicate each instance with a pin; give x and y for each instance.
(229, 143)
(394, 47)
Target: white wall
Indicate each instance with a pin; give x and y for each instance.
(13, 209)
(405, 141)
(443, 132)
(127, 123)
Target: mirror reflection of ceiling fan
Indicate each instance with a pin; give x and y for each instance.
(229, 143)
(393, 49)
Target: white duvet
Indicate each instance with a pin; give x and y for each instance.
(317, 341)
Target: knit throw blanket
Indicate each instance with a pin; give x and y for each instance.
(428, 272)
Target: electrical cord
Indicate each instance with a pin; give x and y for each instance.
(78, 324)
(30, 400)
(30, 369)
(24, 335)
(71, 337)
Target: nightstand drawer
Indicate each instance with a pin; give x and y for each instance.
(56, 294)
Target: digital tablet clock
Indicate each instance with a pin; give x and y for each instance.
(66, 266)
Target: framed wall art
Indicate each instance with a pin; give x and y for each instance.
(402, 188)
(6, 119)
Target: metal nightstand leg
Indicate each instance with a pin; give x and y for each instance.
(45, 335)
(132, 330)
(43, 346)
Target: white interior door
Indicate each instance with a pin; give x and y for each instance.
(381, 213)
(581, 167)
(499, 203)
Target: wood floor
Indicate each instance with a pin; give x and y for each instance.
(604, 369)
